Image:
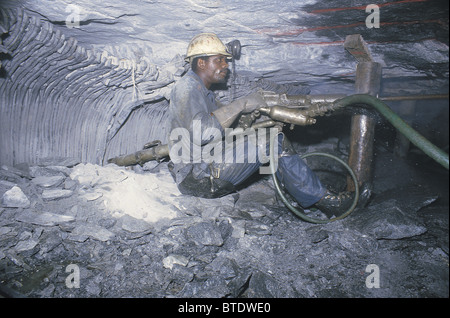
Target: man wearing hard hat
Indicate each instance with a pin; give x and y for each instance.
(197, 122)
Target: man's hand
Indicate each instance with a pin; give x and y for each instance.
(226, 115)
(252, 102)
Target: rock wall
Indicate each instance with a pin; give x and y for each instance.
(57, 98)
(90, 79)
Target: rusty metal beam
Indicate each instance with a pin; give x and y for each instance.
(356, 46)
(368, 80)
(414, 97)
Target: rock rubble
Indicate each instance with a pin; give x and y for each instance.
(246, 244)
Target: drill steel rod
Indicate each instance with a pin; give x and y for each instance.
(161, 151)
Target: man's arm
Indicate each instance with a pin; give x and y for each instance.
(226, 115)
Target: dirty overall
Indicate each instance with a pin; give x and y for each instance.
(204, 166)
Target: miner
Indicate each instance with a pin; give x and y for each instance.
(202, 164)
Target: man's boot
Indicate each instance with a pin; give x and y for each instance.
(335, 204)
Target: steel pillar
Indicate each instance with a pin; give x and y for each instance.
(368, 80)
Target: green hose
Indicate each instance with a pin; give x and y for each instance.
(296, 211)
(417, 139)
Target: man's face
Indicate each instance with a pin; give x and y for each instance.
(216, 69)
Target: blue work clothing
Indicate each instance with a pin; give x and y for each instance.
(205, 165)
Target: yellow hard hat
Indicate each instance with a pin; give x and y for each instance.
(205, 44)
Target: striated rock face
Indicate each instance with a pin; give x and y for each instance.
(63, 99)
(91, 79)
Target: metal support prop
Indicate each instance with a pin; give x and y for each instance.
(368, 79)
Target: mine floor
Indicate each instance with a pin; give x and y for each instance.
(246, 244)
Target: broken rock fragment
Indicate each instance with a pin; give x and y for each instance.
(59, 161)
(204, 233)
(134, 225)
(15, 198)
(173, 259)
(43, 218)
(93, 231)
(56, 194)
(48, 182)
(27, 245)
(387, 220)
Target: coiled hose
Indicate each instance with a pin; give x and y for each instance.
(417, 139)
(300, 213)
